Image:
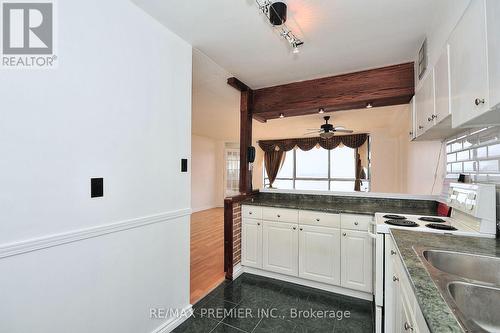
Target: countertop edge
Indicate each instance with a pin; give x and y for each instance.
(435, 325)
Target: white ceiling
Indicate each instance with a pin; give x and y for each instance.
(340, 35)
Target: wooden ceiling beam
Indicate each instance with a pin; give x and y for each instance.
(384, 86)
(237, 84)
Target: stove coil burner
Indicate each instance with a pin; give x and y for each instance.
(402, 223)
(432, 219)
(395, 217)
(440, 226)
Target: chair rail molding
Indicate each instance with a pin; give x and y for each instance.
(35, 244)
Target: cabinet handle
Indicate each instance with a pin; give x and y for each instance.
(393, 252)
(258, 223)
(410, 132)
(420, 127)
(279, 215)
(356, 223)
(294, 228)
(249, 213)
(344, 234)
(317, 220)
(395, 278)
(301, 229)
(431, 118)
(479, 101)
(408, 327)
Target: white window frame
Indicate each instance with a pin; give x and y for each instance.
(230, 192)
(328, 179)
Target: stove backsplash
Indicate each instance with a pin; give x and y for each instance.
(475, 153)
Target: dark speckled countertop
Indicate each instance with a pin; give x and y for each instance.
(344, 204)
(437, 313)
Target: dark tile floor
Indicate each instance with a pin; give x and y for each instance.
(257, 304)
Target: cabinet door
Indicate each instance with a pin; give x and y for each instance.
(251, 243)
(493, 23)
(319, 254)
(412, 130)
(442, 85)
(468, 65)
(356, 264)
(280, 247)
(425, 104)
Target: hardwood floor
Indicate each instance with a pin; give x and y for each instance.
(207, 252)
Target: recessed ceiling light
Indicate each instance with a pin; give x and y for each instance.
(369, 105)
(321, 110)
(282, 115)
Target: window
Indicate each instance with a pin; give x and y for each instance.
(321, 170)
(475, 154)
(232, 175)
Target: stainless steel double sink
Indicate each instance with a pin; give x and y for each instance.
(469, 283)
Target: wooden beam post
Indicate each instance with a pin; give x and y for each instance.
(246, 111)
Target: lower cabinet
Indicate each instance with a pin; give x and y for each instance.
(319, 254)
(251, 243)
(401, 307)
(356, 266)
(327, 248)
(280, 247)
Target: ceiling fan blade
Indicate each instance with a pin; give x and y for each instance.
(344, 131)
(339, 127)
(315, 132)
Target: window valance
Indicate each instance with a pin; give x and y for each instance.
(351, 141)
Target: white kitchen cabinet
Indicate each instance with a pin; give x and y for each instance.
(251, 243)
(356, 261)
(493, 28)
(402, 312)
(413, 131)
(280, 247)
(319, 254)
(425, 104)
(469, 65)
(442, 86)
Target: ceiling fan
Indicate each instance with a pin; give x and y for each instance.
(327, 130)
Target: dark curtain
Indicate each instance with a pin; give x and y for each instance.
(273, 161)
(351, 141)
(359, 170)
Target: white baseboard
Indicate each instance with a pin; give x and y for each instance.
(237, 271)
(29, 245)
(308, 283)
(172, 323)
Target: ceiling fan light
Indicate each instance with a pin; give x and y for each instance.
(327, 135)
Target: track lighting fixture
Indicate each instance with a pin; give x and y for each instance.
(369, 105)
(282, 115)
(276, 14)
(321, 111)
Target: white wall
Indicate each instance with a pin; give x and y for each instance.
(118, 106)
(207, 174)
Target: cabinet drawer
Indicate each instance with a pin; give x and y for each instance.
(319, 219)
(280, 214)
(355, 222)
(251, 212)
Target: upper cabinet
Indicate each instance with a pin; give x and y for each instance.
(493, 27)
(425, 104)
(442, 86)
(469, 65)
(474, 66)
